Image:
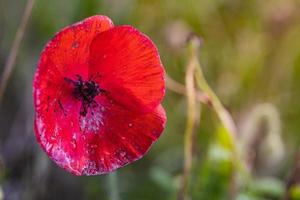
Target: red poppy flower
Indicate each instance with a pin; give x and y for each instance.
(97, 93)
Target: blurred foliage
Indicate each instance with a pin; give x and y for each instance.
(250, 55)
(295, 192)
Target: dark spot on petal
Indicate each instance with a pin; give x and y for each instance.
(75, 45)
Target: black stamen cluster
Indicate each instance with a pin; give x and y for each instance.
(85, 91)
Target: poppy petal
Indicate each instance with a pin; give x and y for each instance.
(68, 50)
(108, 137)
(65, 56)
(130, 67)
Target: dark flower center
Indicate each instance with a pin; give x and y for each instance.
(85, 91)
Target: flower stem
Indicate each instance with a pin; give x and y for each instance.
(222, 113)
(113, 186)
(179, 88)
(189, 131)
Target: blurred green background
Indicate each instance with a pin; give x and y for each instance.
(250, 55)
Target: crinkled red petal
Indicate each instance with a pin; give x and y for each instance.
(68, 51)
(130, 67)
(108, 137)
(65, 56)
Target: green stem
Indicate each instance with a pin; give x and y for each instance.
(192, 112)
(223, 114)
(113, 186)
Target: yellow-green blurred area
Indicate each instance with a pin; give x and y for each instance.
(250, 55)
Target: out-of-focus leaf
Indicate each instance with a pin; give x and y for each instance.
(215, 174)
(163, 179)
(295, 192)
(244, 196)
(268, 187)
(224, 138)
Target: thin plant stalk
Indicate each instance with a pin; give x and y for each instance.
(9, 65)
(222, 113)
(179, 88)
(189, 131)
(113, 186)
(202, 84)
